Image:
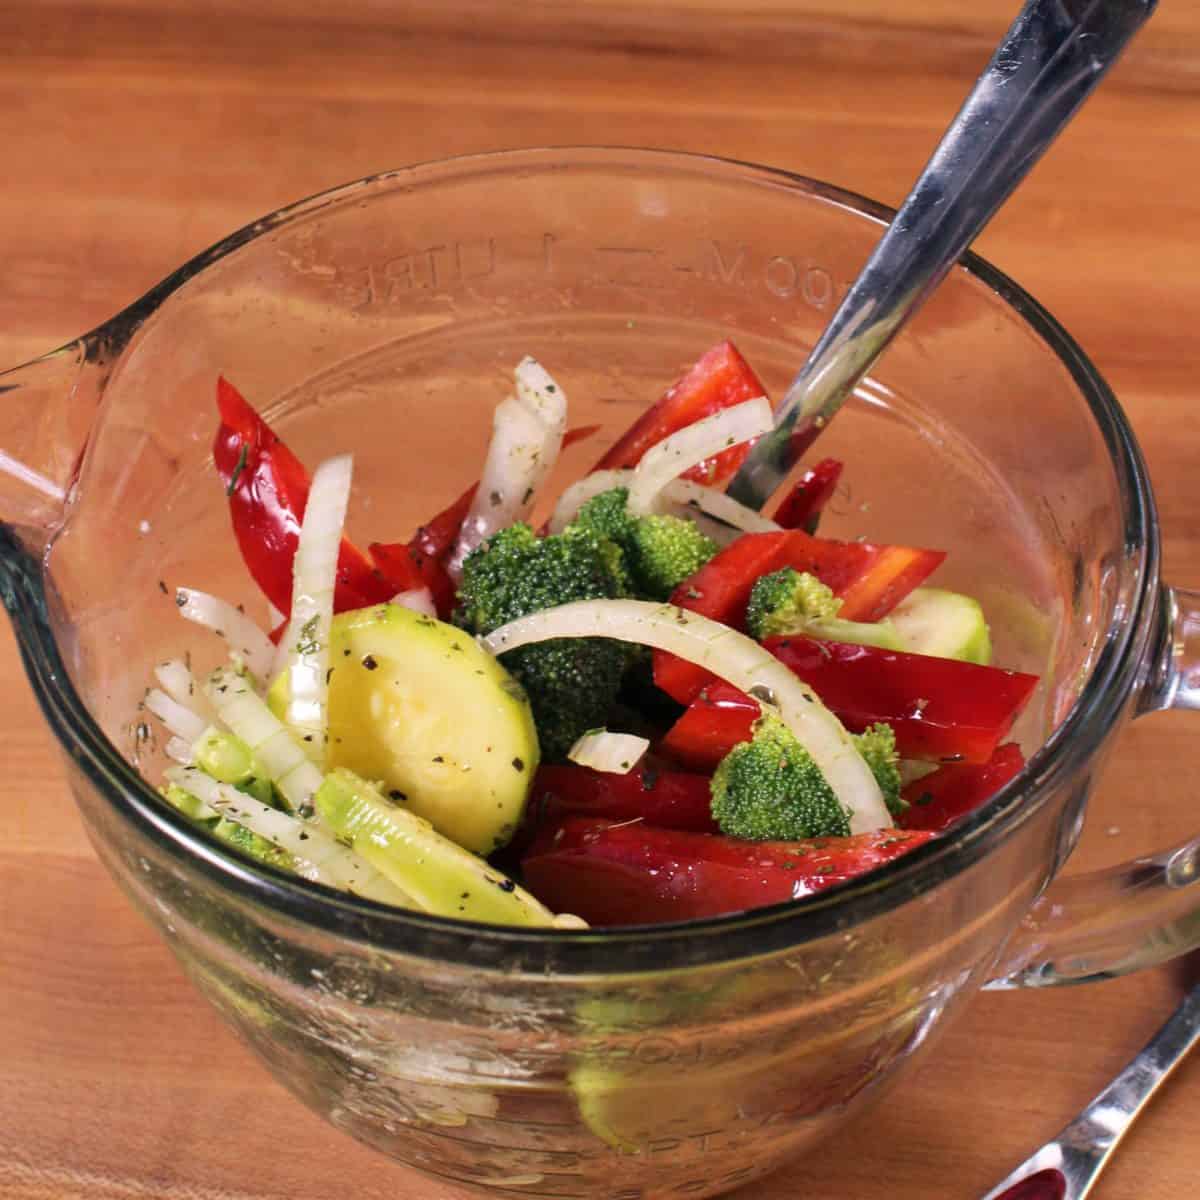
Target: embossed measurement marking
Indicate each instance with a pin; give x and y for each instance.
(453, 263)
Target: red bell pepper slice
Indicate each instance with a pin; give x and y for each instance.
(937, 800)
(720, 379)
(267, 487)
(801, 507)
(940, 708)
(871, 580)
(633, 874)
(664, 798)
(421, 562)
(718, 719)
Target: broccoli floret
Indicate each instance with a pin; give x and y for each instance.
(787, 600)
(796, 602)
(607, 515)
(571, 682)
(877, 745)
(665, 550)
(660, 550)
(770, 789)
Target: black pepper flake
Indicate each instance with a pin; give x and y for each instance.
(303, 836)
(328, 676)
(925, 798)
(369, 662)
(162, 587)
(437, 758)
(495, 499)
(181, 598)
(397, 795)
(345, 653)
(506, 885)
(518, 764)
(649, 778)
(308, 737)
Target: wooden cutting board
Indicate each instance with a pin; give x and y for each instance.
(135, 132)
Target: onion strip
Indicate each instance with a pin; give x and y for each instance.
(242, 635)
(668, 459)
(178, 718)
(735, 658)
(175, 678)
(527, 434)
(679, 497)
(319, 858)
(418, 599)
(247, 715)
(687, 493)
(180, 751)
(612, 753)
(314, 576)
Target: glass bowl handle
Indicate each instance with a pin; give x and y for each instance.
(47, 408)
(1110, 922)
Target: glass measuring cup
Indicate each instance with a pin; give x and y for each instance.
(383, 318)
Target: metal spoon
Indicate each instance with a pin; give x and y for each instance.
(1067, 1167)
(1056, 52)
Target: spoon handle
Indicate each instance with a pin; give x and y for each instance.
(1081, 1150)
(1056, 52)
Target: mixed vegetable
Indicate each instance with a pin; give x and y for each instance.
(660, 705)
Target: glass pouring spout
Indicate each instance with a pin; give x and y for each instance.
(47, 408)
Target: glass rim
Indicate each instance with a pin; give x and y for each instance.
(627, 949)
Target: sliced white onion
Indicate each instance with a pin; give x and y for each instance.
(180, 751)
(314, 577)
(418, 599)
(694, 443)
(538, 391)
(177, 681)
(178, 718)
(279, 661)
(527, 433)
(569, 921)
(318, 856)
(720, 533)
(246, 713)
(733, 657)
(912, 769)
(612, 753)
(717, 504)
(511, 473)
(242, 635)
(720, 516)
(583, 490)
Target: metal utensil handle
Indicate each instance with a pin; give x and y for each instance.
(1056, 52)
(1082, 1149)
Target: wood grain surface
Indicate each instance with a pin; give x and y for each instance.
(135, 132)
